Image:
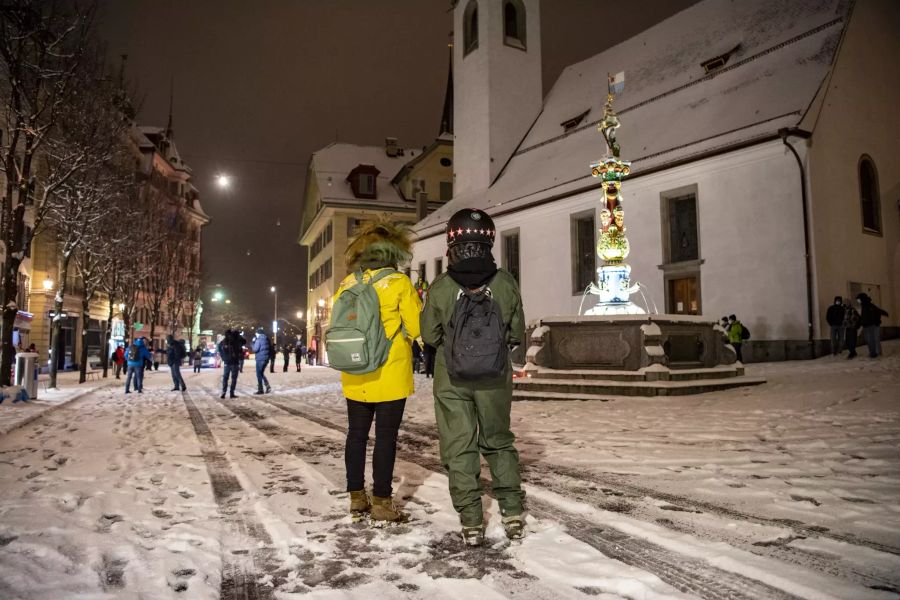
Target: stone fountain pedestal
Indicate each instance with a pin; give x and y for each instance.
(596, 357)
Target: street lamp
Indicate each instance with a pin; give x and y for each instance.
(274, 290)
(48, 284)
(223, 181)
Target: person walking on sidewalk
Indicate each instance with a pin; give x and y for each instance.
(388, 309)
(473, 315)
(834, 316)
(262, 348)
(870, 320)
(175, 354)
(851, 328)
(136, 357)
(198, 359)
(230, 350)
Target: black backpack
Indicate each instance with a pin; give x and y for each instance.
(133, 352)
(475, 347)
(745, 333)
(180, 350)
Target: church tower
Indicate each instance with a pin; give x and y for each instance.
(497, 91)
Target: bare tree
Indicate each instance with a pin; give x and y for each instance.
(92, 127)
(41, 45)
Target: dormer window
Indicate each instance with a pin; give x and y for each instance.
(470, 27)
(570, 124)
(366, 184)
(717, 62)
(363, 181)
(514, 24)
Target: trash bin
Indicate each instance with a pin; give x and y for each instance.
(26, 372)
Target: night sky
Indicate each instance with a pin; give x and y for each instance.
(261, 84)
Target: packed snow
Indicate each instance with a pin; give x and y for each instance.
(786, 490)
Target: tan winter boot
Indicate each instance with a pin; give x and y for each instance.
(384, 511)
(359, 504)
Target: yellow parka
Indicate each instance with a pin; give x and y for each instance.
(400, 308)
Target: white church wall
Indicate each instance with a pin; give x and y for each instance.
(751, 241)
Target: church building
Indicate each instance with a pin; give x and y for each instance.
(765, 178)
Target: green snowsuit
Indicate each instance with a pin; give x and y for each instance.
(474, 416)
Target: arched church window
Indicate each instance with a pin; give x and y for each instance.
(868, 195)
(514, 23)
(470, 27)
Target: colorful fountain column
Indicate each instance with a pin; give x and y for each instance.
(614, 286)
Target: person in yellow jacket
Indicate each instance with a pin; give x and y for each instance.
(380, 395)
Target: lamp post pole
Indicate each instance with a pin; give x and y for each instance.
(275, 319)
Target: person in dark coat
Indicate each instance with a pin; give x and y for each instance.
(298, 354)
(851, 327)
(870, 320)
(175, 354)
(428, 352)
(263, 350)
(834, 316)
(417, 356)
(231, 349)
(286, 352)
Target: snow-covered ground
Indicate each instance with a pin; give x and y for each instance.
(785, 490)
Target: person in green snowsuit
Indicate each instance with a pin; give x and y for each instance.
(474, 416)
(736, 336)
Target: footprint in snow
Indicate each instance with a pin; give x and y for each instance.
(111, 570)
(178, 579)
(106, 521)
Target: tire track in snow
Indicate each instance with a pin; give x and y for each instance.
(240, 571)
(686, 574)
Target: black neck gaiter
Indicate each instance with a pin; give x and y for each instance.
(474, 272)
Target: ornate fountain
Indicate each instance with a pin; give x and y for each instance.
(613, 287)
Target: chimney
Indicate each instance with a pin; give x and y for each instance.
(390, 147)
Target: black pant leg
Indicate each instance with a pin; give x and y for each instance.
(388, 416)
(359, 422)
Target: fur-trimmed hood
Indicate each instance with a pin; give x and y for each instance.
(381, 243)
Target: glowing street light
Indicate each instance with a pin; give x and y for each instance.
(48, 284)
(223, 181)
(300, 314)
(321, 303)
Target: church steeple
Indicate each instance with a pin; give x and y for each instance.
(447, 115)
(169, 132)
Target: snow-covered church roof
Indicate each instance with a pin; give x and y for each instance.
(778, 54)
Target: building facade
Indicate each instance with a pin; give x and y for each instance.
(763, 179)
(347, 185)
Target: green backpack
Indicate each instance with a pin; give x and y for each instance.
(356, 342)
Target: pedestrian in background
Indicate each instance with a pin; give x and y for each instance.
(428, 353)
(870, 320)
(736, 336)
(230, 350)
(299, 350)
(286, 352)
(263, 350)
(137, 357)
(175, 354)
(119, 360)
(198, 359)
(417, 356)
(834, 316)
(851, 328)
